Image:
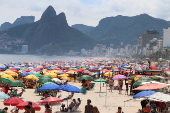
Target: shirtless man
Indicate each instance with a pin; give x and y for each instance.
(32, 109)
(111, 84)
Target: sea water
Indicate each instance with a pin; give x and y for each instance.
(7, 58)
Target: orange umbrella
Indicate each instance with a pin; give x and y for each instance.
(151, 86)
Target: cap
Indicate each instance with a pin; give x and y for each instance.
(89, 100)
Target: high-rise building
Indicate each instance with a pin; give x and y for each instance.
(24, 48)
(149, 35)
(166, 37)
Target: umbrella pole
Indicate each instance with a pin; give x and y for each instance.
(100, 88)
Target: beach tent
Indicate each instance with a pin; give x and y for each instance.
(159, 97)
(151, 86)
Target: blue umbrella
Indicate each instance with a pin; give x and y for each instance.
(23, 74)
(94, 74)
(70, 88)
(50, 87)
(3, 95)
(144, 94)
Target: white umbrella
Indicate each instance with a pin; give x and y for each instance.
(56, 80)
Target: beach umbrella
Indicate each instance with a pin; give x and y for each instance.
(23, 74)
(144, 94)
(117, 77)
(52, 75)
(142, 79)
(94, 74)
(22, 104)
(56, 80)
(45, 76)
(48, 87)
(6, 80)
(32, 77)
(37, 74)
(7, 76)
(71, 72)
(3, 95)
(70, 88)
(109, 74)
(64, 75)
(65, 78)
(16, 83)
(100, 80)
(73, 68)
(48, 83)
(51, 100)
(151, 86)
(86, 77)
(13, 101)
(44, 79)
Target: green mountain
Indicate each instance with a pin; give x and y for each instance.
(18, 21)
(50, 35)
(113, 30)
(83, 28)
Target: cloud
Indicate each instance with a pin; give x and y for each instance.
(88, 12)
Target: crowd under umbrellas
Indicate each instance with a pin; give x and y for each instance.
(54, 76)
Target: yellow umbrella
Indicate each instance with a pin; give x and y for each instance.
(52, 75)
(72, 72)
(54, 71)
(12, 73)
(109, 74)
(137, 77)
(7, 76)
(64, 75)
(65, 78)
(33, 77)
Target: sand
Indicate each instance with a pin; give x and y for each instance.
(106, 102)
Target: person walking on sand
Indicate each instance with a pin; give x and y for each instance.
(120, 86)
(48, 109)
(88, 107)
(111, 85)
(127, 88)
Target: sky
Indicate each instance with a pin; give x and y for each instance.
(88, 12)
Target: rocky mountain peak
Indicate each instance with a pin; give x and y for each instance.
(48, 14)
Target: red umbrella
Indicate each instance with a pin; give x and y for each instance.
(21, 106)
(51, 100)
(152, 86)
(13, 101)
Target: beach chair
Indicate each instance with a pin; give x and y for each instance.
(92, 85)
(84, 90)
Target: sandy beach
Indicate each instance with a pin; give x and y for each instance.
(106, 102)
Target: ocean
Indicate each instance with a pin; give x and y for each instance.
(7, 58)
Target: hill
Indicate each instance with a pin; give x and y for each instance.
(113, 30)
(18, 21)
(50, 35)
(83, 28)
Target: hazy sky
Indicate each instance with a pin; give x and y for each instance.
(87, 12)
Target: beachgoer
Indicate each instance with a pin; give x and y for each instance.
(69, 97)
(6, 88)
(48, 108)
(5, 110)
(127, 88)
(120, 86)
(27, 109)
(119, 110)
(15, 110)
(111, 85)
(32, 109)
(88, 107)
(95, 110)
